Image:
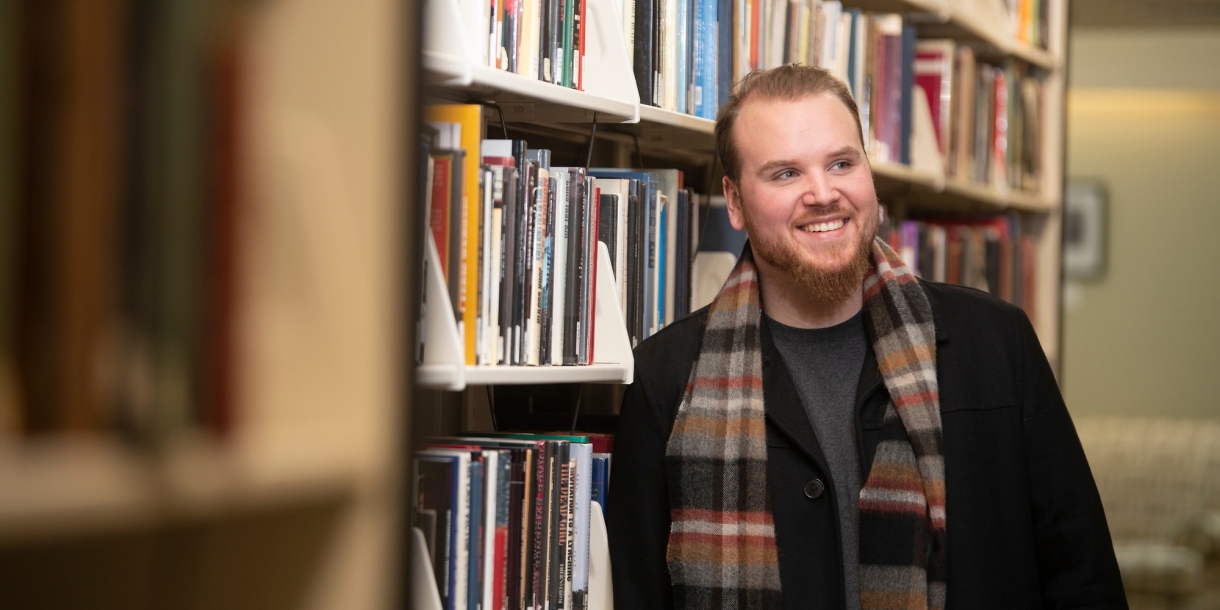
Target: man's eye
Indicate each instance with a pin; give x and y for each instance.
(841, 165)
(786, 174)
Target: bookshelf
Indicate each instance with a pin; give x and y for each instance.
(907, 187)
(632, 133)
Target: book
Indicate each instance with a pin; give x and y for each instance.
(470, 119)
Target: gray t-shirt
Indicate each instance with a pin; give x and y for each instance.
(825, 366)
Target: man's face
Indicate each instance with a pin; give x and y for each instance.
(806, 194)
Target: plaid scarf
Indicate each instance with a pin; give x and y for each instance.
(722, 550)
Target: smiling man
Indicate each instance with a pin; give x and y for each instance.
(832, 432)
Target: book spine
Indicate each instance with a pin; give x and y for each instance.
(560, 289)
(591, 292)
(644, 50)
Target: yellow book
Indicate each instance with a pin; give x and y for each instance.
(470, 117)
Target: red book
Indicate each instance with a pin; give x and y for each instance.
(438, 219)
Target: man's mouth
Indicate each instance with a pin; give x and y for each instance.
(823, 227)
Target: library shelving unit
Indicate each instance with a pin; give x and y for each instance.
(453, 74)
(610, 100)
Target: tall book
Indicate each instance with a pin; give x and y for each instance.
(470, 117)
(645, 50)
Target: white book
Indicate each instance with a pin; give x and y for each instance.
(559, 290)
(828, 55)
(777, 32)
(534, 321)
(583, 481)
(669, 58)
(483, 323)
(655, 305)
(535, 41)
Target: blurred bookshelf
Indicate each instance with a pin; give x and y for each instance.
(970, 173)
(201, 252)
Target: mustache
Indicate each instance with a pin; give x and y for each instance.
(822, 213)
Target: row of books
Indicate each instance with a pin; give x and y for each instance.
(988, 117)
(990, 253)
(686, 54)
(517, 240)
(1029, 21)
(506, 517)
(538, 39)
(119, 202)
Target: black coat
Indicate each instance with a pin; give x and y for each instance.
(1025, 523)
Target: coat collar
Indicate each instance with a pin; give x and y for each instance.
(783, 405)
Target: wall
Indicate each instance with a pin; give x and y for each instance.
(1144, 116)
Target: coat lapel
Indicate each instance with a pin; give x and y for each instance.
(783, 405)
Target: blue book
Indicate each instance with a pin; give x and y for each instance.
(724, 53)
(683, 31)
(908, 83)
(474, 580)
(853, 53)
(600, 484)
(663, 253)
(705, 57)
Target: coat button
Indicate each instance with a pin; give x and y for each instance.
(814, 489)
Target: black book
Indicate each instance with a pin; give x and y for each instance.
(636, 260)
(991, 261)
(645, 49)
(681, 254)
(607, 227)
(553, 31)
(508, 261)
(572, 300)
(588, 268)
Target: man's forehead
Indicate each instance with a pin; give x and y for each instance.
(764, 114)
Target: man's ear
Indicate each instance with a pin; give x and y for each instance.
(732, 199)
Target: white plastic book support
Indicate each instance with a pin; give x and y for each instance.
(607, 72)
(444, 359)
(424, 595)
(448, 51)
(444, 364)
(611, 345)
(601, 589)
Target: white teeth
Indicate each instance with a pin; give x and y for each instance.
(822, 227)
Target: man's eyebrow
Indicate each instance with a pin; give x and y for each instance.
(846, 151)
(776, 164)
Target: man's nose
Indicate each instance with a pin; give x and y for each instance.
(818, 189)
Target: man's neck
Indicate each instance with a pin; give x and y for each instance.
(786, 302)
